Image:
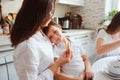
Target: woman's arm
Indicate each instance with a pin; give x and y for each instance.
(104, 48)
(88, 70)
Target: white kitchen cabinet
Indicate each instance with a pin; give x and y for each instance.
(7, 66)
(86, 38)
(71, 2)
(6, 59)
(5, 48)
(5, 43)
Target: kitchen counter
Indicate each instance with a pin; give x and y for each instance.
(76, 31)
(5, 39)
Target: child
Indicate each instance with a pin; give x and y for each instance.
(79, 64)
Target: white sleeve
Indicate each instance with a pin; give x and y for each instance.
(27, 61)
(101, 34)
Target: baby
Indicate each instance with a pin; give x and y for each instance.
(79, 64)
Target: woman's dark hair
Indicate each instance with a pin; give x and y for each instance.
(52, 23)
(30, 18)
(114, 25)
(1, 17)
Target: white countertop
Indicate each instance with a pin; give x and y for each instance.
(4, 40)
(76, 31)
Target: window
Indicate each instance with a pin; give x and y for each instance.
(111, 5)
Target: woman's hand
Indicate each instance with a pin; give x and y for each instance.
(89, 74)
(64, 58)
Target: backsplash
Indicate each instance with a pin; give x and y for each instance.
(92, 12)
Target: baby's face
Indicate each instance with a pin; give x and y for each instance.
(55, 34)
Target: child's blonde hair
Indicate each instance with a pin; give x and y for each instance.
(52, 23)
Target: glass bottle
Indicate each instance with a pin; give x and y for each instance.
(6, 29)
(1, 31)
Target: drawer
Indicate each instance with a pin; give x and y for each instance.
(5, 47)
(6, 57)
(4, 40)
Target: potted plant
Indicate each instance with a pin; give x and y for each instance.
(108, 18)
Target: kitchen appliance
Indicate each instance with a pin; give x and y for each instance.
(56, 19)
(75, 21)
(64, 22)
(70, 21)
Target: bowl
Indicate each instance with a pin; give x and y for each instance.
(114, 67)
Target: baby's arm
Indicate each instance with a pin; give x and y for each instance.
(88, 70)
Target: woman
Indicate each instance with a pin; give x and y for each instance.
(33, 56)
(108, 40)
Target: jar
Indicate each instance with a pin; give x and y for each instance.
(76, 21)
(6, 29)
(1, 31)
(65, 24)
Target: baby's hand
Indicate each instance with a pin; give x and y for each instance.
(89, 74)
(69, 53)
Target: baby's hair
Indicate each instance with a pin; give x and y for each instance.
(52, 23)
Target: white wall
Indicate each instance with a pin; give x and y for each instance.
(9, 6)
(108, 6)
(111, 5)
(61, 9)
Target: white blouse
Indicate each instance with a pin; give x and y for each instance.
(108, 39)
(76, 66)
(33, 57)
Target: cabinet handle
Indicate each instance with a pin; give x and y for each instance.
(5, 50)
(5, 45)
(6, 63)
(81, 37)
(84, 43)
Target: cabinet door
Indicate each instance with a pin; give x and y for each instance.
(71, 2)
(5, 43)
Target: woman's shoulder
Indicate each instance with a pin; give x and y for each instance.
(27, 47)
(102, 31)
(30, 43)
